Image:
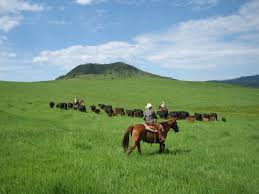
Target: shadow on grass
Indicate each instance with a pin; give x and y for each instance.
(171, 152)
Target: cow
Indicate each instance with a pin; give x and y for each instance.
(93, 108)
(173, 114)
(51, 104)
(119, 111)
(61, 105)
(102, 106)
(223, 119)
(130, 113)
(181, 115)
(190, 119)
(97, 111)
(138, 113)
(69, 105)
(213, 117)
(82, 108)
(206, 117)
(108, 110)
(198, 116)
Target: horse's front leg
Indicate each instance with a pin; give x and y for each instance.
(139, 148)
(162, 147)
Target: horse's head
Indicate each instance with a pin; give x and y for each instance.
(173, 124)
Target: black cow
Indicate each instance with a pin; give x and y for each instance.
(82, 108)
(108, 109)
(93, 107)
(102, 106)
(181, 115)
(61, 105)
(223, 119)
(51, 104)
(69, 105)
(174, 114)
(130, 113)
(198, 116)
(138, 113)
(97, 110)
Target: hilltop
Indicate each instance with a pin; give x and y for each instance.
(118, 69)
(249, 81)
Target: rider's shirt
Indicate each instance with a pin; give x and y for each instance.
(149, 116)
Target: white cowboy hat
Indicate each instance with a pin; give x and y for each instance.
(163, 104)
(148, 105)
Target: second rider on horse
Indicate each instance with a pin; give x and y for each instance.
(150, 119)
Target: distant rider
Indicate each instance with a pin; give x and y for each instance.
(162, 107)
(150, 119)
(76, 101)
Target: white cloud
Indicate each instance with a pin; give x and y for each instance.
(16, 6)
(206, 43)
(58, 22)
(84, 2)
(196, 4)
(7, 55)
(11, 12)
(202, 3)
(9, 22)
(193, 4)
(3, 39)
(78, 54)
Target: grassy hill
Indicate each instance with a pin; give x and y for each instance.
(45, 150)
(248, 81)
(117, 69)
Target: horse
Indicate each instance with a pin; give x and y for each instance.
(139, 132)
(76, 105)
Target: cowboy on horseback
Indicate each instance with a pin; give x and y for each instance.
(162, 107)
(76, 101)
(150, 120)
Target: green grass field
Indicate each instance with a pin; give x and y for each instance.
(45, 150)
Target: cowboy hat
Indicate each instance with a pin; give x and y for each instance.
(149, 105)
(163, 104)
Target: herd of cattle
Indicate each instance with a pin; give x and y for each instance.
(164, 114)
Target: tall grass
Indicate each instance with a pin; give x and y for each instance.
(45, 150)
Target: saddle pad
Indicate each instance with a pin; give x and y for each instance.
(149, 128)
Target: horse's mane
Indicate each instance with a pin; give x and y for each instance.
(168, 121)
(165, 122)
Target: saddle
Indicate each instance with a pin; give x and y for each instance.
(152, 128)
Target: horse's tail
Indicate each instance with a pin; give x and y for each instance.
(125, 140)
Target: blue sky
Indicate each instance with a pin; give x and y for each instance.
(183, 39)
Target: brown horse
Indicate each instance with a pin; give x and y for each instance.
(138, 133)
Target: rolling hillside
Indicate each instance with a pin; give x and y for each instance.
(117, 69)
(248, 81)
(45, 150)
